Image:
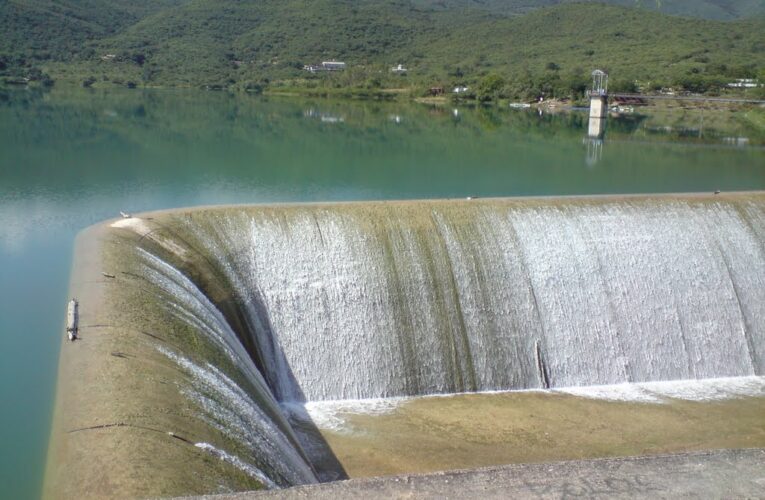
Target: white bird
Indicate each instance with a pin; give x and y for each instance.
(125, 215)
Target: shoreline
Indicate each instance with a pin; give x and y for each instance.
(409, 94)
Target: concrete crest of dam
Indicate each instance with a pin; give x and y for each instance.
(202, 330)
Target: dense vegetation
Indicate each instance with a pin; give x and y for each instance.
(498, 48)
(721, 10)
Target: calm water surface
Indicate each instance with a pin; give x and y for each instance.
(69, 159)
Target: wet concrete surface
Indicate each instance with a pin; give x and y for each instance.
(468, 431)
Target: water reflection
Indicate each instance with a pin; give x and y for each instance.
(594, 147)
(596, 128)
(323, 116)
(626, 125)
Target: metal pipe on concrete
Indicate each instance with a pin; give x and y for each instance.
(71, 319)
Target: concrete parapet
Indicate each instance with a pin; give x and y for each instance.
(713, 474)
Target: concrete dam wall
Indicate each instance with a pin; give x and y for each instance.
(214, 320)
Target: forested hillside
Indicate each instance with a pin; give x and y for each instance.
(512, 47)
(721, 10)
(58, 28)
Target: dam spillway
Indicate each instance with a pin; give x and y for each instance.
(384, 300)
(240, 312)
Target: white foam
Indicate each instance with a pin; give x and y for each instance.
(716, 389)
(333, 415)
(230, 409)
(240, 464)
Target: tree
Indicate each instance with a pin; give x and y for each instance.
(575, 84)
(489, 87)
(138, 58)
(623, 85)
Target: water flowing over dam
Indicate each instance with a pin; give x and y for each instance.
(386, 300)
(263, 306)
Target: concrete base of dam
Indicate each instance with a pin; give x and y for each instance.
(713, 474)
(425, 435)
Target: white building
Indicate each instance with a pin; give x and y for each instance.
(333, 65)
(325, 66)
(744, 83)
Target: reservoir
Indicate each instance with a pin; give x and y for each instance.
(69, 159)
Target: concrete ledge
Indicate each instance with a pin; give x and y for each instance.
(710, 474)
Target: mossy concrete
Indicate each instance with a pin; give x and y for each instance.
(122, 428)
(430, 434)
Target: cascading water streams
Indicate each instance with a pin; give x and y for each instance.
(257, 310)
(247, 415)
(379, 300)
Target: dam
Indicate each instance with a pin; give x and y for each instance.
(231, 336)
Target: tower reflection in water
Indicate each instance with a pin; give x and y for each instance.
(593, 141)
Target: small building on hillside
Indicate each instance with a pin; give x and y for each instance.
(744, 83)
(399, 70)
(333, 65)
(325, 66)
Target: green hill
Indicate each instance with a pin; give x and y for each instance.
(53, 28)
(238, 43)
(721, 10)
(629, 44)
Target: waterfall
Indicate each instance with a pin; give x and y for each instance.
(390, 299)
(243, 410)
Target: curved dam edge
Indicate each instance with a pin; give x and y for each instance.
(121, 428)
(531, 200)
(123, 425)
(713, 474)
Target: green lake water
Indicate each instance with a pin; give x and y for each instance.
(69, 159)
